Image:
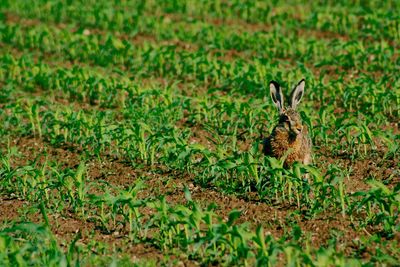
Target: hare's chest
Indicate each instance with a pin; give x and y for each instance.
(282, 144)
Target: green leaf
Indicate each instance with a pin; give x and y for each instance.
(233, 216)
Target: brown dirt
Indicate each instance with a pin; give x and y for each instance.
(68, 226)
(374, 166)
(9, 208)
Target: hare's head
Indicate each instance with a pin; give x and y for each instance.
(289, 118)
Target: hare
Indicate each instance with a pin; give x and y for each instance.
(290, 136)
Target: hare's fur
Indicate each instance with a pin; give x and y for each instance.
(290, 137)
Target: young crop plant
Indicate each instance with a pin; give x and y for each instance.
(381, 206)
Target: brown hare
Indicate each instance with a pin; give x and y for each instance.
(290, 137)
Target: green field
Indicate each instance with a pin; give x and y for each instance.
(131, 133)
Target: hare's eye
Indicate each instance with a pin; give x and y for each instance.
(284, 119)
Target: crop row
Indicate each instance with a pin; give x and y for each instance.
(199, 233)
(80, 85)
(363, 94)
(112, 110)
(268, 44)
(372, 20)
(146, 132)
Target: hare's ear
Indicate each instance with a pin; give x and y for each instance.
(276, 95)
(297, 94)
